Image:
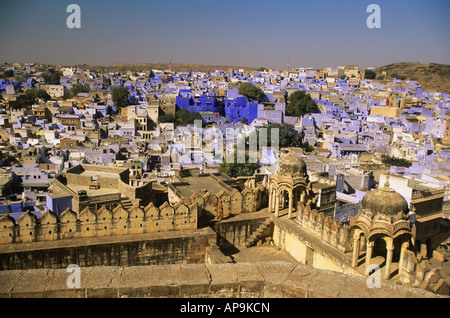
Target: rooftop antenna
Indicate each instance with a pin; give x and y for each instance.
(288, 65)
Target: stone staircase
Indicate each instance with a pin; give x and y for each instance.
(127, 204)
(258, 234)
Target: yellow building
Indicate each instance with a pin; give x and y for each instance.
(391, 112)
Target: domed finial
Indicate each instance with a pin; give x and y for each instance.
(386, 184)
(387, 187)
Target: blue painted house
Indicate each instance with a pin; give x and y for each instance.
(238, 108)
(203, 103)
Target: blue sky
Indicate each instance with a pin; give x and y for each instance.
(234, 32)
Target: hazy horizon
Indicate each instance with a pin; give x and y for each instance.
(246, 33)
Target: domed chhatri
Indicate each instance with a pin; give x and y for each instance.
(385, 201)
(292, 166)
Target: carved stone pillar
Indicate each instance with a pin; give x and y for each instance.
(269, 208)
(274, 199)
(355, 250)
(290, 204)
(369, 249)
(277, 204)
(405, 246)
(390, 252)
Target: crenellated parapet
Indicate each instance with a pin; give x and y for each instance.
(103, 222)
(233, 202)
(323, 227)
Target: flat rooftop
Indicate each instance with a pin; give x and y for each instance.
(90, 173)
(201, 185)
(93, 192)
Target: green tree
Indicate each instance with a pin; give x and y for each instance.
(78, 88)
(52, 78)
(394, 161)
(120, 97)
(370, 74)
(166, 118)
(8, 73)
(301, 103)
(244, 120)
(250, 91)
(183, 117)
(235, 169)
(287, 136)
(33, 94)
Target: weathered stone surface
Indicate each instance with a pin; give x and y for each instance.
(169, 247)
(439, 256)
(432, 276)
(165, 281)
(223, 279)
(193, 280)
(8, 279)
(32, 283)
(327, 284)
(135, 282)
(271, 279)
(58, 286)
(298, 281)
(441, 287)
(274, 274)
(100, 282)
(249, 277)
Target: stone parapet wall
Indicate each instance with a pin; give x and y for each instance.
(235, 231)
(262, 280)
(323, 227)
(103, 222)
(171, 247)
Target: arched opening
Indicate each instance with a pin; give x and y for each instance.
(284, 199)
(298, 193)
(379, 248)
(358, 246)
(399, 241)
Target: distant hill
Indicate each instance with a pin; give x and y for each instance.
(432, 77)
(176, 67)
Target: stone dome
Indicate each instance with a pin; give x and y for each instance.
(292, 166)
(385, 201)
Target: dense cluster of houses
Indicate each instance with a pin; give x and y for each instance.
(360, 121)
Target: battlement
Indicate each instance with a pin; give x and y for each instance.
(323, 227)
(233, 202)
(103, 222)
